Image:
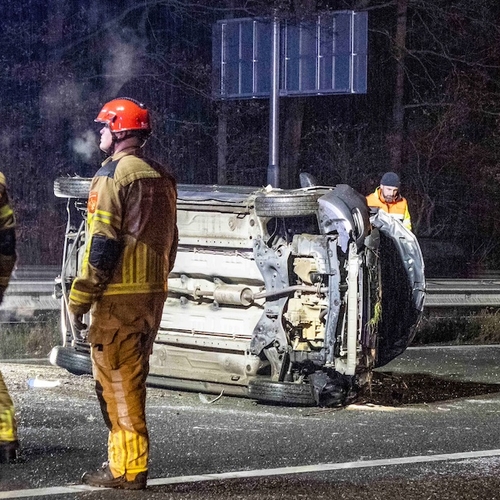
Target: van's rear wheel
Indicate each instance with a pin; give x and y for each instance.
(72, 187)
(285, 393)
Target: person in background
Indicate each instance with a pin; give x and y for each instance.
(8, 431)
(388, 198)
(130, 250)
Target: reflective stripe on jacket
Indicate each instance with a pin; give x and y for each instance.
(131, 231)
(398, 209)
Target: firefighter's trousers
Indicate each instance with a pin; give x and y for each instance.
(8, 430)
(120, 368)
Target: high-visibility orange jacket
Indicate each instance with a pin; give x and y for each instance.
(131, 233)
(397, 209)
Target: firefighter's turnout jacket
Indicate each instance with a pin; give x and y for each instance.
(7, 261)
(397, 209)
(131, 233)
(130, 250)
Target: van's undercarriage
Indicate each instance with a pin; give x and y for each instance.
(290, 297)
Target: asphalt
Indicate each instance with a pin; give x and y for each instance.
(448, 449)
(465, 363)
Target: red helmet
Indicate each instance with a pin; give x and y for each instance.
(124, 114)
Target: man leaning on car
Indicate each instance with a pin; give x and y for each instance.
(388, 198)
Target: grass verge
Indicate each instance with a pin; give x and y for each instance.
(32, 339)
(459, 326)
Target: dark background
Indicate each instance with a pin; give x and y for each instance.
(431, 111)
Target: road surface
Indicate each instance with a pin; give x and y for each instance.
(232, 448)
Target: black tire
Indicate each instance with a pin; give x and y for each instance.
(77, 363)
(285, 393)
(287, 204)
(72, 187)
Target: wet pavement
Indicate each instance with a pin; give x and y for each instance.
(466, 363)
(237, 449)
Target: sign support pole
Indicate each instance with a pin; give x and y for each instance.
(273, 167)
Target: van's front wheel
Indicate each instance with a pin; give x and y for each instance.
(287, 204)
(76, 362)
(285, 393)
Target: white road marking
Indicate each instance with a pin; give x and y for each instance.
(245, 474)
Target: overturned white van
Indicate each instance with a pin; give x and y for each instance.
(284, 296)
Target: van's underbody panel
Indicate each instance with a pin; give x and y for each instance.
(285, 296)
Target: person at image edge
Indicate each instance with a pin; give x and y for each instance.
(9, 443)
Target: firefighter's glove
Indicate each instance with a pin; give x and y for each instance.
(79, 327)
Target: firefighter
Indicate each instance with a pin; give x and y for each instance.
(8, 432)
(130, 250)
(388, 198)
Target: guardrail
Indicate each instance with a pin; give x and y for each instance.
(31, 290)
(462, 293)
(36, 295)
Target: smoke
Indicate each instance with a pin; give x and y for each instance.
(85, 145)
(7, 138)
(64, 108)
(125, 59)
(60, 99)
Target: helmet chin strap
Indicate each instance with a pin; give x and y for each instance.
(115, 140)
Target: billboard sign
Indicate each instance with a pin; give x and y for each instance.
(327, 55)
